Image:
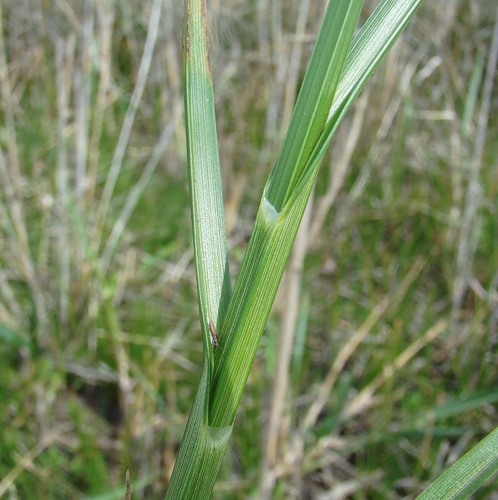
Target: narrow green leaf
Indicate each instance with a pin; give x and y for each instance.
(466, 475)
(315, 98)
(208, 222)
(369, 46)
(203, 446)
(457, 406)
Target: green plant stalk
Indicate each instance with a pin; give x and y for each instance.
(318, 112)
(262, 269)
(201, 452)
(203, 447)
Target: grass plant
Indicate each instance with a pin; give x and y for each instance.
(388, 355)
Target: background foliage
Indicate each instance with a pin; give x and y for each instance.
(394, 365)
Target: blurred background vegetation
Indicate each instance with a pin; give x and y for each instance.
(394, 364)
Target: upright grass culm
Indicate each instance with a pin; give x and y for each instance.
(338, 70)
(392, 372)
(241, 318)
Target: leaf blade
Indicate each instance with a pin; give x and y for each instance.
(315, 97)
(468, 473)
(208, 223)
